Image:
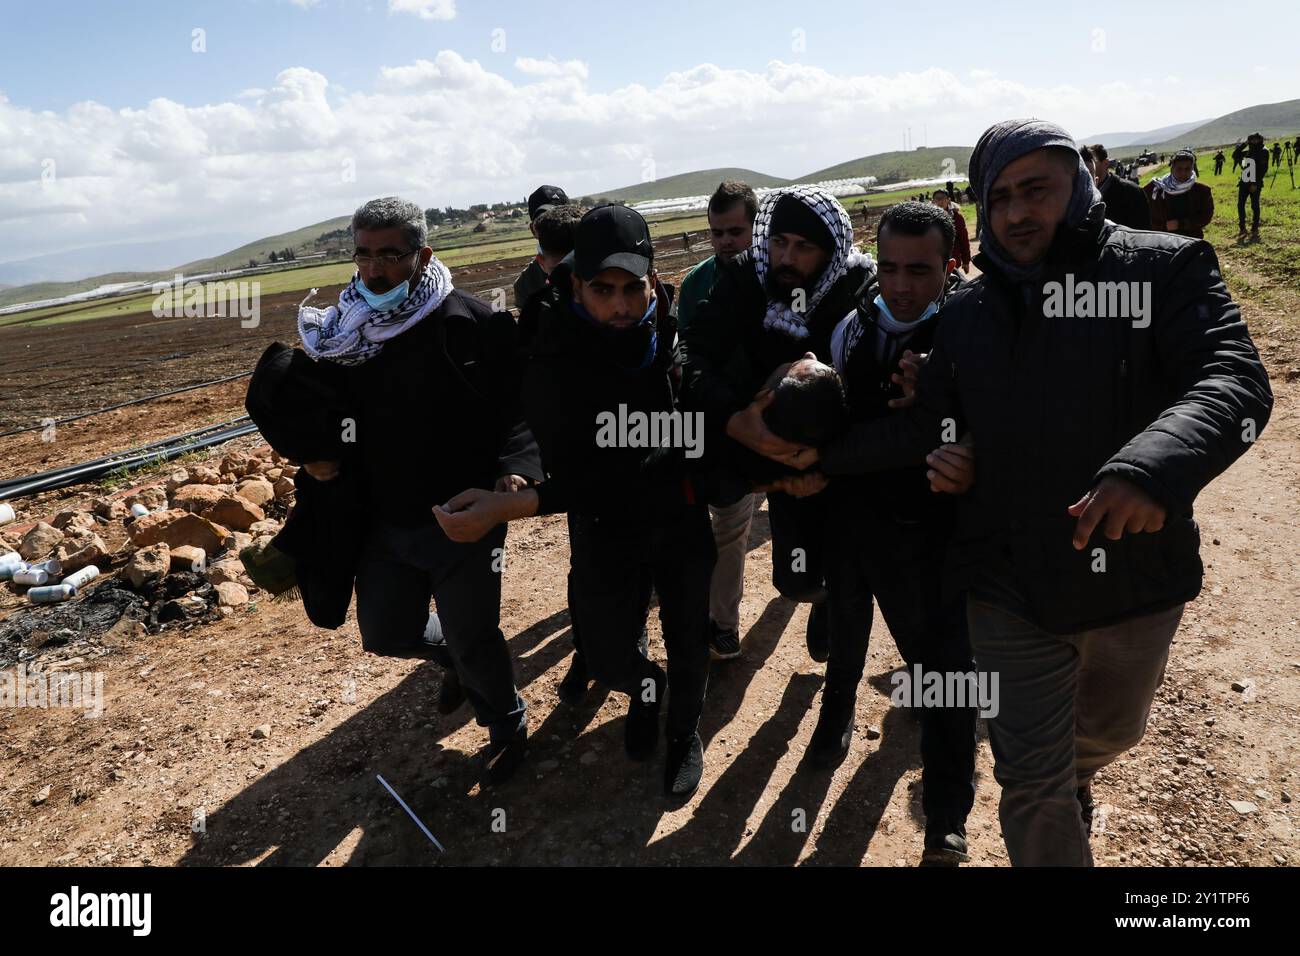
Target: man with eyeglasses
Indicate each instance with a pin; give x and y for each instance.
(429, 372)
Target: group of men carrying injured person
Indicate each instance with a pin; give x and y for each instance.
(1012, 488)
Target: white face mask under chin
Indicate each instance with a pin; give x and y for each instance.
(891, 324)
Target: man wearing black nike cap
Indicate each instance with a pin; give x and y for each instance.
(533, 278)
(601, 360)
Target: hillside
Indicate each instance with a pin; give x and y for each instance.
(1114, 140)
(700, 183)
(1274, 120)
(922, 163)
(37, 291)
(302, 241)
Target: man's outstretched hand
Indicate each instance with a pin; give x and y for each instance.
(475, 511)
(747, 427)
(1121, 504)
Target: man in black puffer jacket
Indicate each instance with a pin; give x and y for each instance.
(1107, 377)
(598, 394)
(769, 306)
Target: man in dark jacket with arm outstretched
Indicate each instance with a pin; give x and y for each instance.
(598, 393)
(1107, 377)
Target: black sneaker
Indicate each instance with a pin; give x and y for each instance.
(684, 767)
(945, 844)
(819, 632)
(724, 642)
(504, 757)
(451, 695)
(834, 732)
(574, 686)
(641, 729)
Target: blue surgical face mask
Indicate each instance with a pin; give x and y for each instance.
(930, 310)
(384, 301)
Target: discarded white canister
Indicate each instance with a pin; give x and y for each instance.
(51, 594)
(51, 566)
(31, 576)
(9, 563)
(7, 513)
(139, 510)
(83, 577)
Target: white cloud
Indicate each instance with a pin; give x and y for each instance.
(551, 67)
(449, 130)
(425, 9)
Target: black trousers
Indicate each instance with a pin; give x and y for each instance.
(400, 569)
(798, 546)
(614, 567)
(1243, 192)
(899, 564)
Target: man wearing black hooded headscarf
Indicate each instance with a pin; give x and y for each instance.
(1106, 377)
(769, 306)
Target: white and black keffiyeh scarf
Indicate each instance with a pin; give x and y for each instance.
(1167, 185)
(351, 332)
(780, 316)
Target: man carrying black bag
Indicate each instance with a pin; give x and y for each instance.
(427, 377)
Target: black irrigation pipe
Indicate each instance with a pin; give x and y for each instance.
(117, 456)
(134, 401)
(97, 469)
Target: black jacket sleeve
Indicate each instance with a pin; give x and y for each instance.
(707, 345)
(518, 454)
(1224, 399)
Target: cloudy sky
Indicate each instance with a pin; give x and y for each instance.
(154, 120)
